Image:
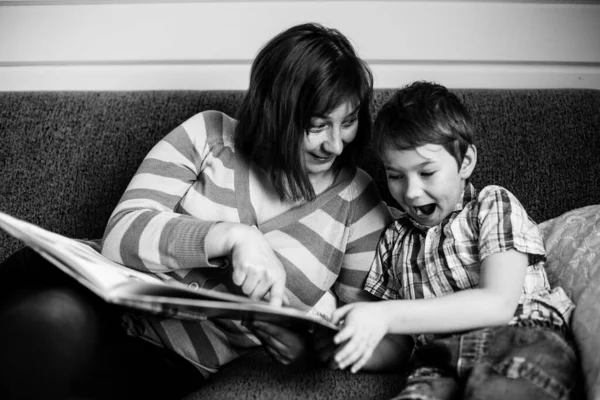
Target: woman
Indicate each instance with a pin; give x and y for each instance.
(270, 205)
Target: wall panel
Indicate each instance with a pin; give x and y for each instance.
(137, 45)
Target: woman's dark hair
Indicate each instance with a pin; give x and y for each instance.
(424, 113)
(306, 71)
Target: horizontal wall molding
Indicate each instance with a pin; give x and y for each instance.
(87, 2)
(154, 45)
(442, 63)
(235, 77)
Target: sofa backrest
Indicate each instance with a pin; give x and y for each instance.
(66, 157)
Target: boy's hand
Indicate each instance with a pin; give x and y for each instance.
(364, 325)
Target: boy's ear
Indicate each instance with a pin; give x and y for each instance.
(469, 162)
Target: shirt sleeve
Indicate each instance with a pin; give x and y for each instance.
(370, 218)
(382, 281)
(144, 231)
(505, 225)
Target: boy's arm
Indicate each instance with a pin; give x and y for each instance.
(492, 303)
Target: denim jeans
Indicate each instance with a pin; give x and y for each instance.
(507, 362)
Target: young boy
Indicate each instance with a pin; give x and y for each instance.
(463, 270)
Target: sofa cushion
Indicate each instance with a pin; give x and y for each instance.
(586, 325)
(572, 243)
(257, 376)
(573, 253)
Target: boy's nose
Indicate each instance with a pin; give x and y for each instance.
(413, 189)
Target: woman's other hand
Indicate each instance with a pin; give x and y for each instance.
(323, 345)
(284, 345)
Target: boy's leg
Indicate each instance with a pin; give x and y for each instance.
(58, 338)
(524, 363)
(433, 375)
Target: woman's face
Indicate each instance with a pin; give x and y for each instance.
(326, 138)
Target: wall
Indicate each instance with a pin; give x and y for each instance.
(139, 45)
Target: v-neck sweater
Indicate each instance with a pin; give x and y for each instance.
(194, 178)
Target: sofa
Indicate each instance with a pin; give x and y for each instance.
(66, 158)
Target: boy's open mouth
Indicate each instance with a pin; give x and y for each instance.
(425, 210)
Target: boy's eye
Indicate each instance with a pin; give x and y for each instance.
(427, 173)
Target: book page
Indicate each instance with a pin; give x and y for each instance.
(119, 284)
(199, 309)
(99, 273)
(79, 260)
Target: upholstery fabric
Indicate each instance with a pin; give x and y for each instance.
(572, 243)
(66, 158)
(573, 261)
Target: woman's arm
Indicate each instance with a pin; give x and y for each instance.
(145, 231)
(148, 230)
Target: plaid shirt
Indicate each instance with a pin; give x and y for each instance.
(417, 262)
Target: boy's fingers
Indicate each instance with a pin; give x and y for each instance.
(339, 313)
(345, 334)
(361, 362)
(351, 352)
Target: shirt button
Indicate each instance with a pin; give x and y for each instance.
(193, 285)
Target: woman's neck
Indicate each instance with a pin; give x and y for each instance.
(266, 200)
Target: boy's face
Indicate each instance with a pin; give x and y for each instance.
(426, 181)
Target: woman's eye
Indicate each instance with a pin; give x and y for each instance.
(317, 128)
(428, 173)
(394, 177)
(350, 123)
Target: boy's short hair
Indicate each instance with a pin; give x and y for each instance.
(424, 113)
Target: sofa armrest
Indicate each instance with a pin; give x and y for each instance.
(573, 261)
(586, 329)
(572, 243)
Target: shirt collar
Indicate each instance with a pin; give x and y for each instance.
(469, 193)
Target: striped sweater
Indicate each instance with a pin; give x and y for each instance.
(193, 178)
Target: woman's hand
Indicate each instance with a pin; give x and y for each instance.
(256, 268)
(285, 346)
(363, 328)
(322, 343)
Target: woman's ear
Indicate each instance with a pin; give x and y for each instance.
(469, 162)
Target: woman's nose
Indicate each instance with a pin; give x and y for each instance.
(334, 143)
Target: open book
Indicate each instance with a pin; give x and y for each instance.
(128, 287)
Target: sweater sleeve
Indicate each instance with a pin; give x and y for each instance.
(146, 231)
(369, 219)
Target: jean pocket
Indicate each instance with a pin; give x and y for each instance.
(537, 375)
